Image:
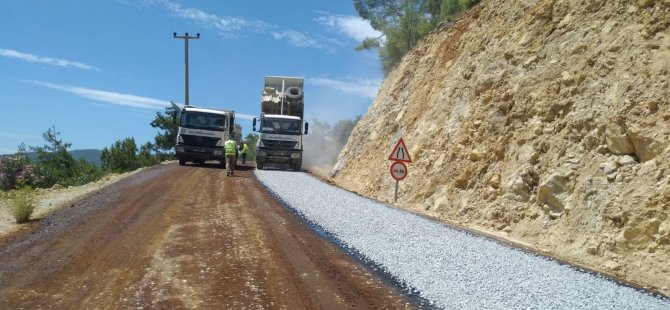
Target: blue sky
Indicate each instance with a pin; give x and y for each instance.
(99, 70)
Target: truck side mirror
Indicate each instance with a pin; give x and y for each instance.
(306, 128)
(254, 124)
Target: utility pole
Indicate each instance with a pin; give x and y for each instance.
(186, 37)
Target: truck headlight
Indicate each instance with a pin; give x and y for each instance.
(180, 149)
(218, 152)
(180, 139)
(295, 155)
(260, 143)
(260, 153)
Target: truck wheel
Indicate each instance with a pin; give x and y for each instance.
(182, 161)
(259, 165)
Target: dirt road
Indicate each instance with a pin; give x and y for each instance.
(182, 237)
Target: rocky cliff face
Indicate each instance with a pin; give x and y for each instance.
(545, 120)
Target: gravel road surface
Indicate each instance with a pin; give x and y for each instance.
(174, 237)
(450, 268)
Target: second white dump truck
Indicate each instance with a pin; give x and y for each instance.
(281, 122)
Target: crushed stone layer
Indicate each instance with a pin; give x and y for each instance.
(446, 266)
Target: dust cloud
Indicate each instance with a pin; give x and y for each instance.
(320, 150)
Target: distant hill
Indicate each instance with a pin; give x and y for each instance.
(90, 155)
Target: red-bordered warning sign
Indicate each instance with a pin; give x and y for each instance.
(400, 152)
(398, 170)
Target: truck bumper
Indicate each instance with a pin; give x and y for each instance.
(279, 156)
(188, 152)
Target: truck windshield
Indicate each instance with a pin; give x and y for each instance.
(201, 120)
(281, 126)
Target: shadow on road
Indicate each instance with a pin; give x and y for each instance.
(215, 165)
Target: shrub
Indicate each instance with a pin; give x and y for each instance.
(21, 204)
(15, 171)
(83, 172)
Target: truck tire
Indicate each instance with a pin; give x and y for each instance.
(259, 165)
(294, 92)
(182, 161)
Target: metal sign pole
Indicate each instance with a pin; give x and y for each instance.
(396, 190)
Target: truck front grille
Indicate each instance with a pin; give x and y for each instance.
(200, 140)
(279, 144)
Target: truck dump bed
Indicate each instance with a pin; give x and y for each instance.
(283, 95)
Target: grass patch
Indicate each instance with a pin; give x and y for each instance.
(21, 204)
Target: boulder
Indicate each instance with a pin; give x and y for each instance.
(617, 140)
(552, 192)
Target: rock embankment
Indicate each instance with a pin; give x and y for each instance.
(546, 120)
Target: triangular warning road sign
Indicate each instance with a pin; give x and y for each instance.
(400, 152)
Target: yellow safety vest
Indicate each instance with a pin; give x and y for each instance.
(245, 149)
(230, 147)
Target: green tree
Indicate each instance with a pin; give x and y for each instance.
(121, 156)
(54, 162)
(168, 124)
(146, 157)
(251, 140)
(403, 23)
(56, 165)
(342, 130)
(84, 172)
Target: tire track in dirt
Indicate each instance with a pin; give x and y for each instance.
(183, 237)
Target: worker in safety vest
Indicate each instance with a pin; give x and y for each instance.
(231, 149)
(244, 152)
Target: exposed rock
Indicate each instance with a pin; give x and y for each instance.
(618, 141)
(612, 265)
(495, 181)
(552, 192)
(610, 167)
(638, 232)
(647, 144)
(475, 155)
(528, 111)
(626, 160)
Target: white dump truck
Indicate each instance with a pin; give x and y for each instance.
(281, 122)
(202, 133)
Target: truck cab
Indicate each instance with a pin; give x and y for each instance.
(280, 141)
(202, 133)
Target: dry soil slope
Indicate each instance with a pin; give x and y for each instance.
(548, 120)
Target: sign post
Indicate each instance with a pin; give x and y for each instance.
(399, 156)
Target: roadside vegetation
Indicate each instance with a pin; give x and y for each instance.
(21, 204)
(52, 165)
(403, 23)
